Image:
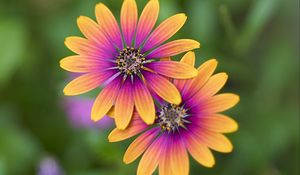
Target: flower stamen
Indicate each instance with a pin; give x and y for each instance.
(171, 117)
(130, 61)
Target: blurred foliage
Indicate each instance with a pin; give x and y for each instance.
(255, 41)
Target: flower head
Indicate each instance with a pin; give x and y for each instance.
(128, 63)
(78, 110)
(194, 126)
(49, 166)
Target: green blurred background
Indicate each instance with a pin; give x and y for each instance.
(255, 41)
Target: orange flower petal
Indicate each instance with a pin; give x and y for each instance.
(189, 58)
(165, 31)
(143, 102)
(147, 21)
(174, 69)
(85, 83)
(124, 106)
(105, 100)
(88, 27)
(219, 123)
(213, 85)
(165, 163)
(109, 24)
(179, 158)
(215, 141)
(162, 87)
(136, 126)
(129, 17)
(139, 145)
(199, 151)
(204, 72)
(174, 48)
(82, 46)
(93, 32)
(151, 158)
(82, 64)
(220, 103)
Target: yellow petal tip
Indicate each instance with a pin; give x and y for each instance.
(211, 63)
(213, 60)
(177, 100)
(197, 44)
(94, 118)
(235, 128)
(210, 165)
(61, 63)
(66, 41)
(100, 6)
(223, 74)
(230, 149)
(65, 91)
(149, 122)
(80, 17)
(182, 16)
(126, 161)
(237, 98)
(68, 92)
(111, 137)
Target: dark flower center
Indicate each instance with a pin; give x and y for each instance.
(172, 117)
(130, 61)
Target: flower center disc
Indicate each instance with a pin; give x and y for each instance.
(130, 61)
(171, 117)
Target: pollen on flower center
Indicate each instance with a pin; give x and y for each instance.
(130, 61)
(171, 117)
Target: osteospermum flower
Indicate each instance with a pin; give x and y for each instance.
(194, 126)
(49, 166)
(130, 63)
(78, 110)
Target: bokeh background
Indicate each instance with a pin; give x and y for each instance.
(41, 131)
